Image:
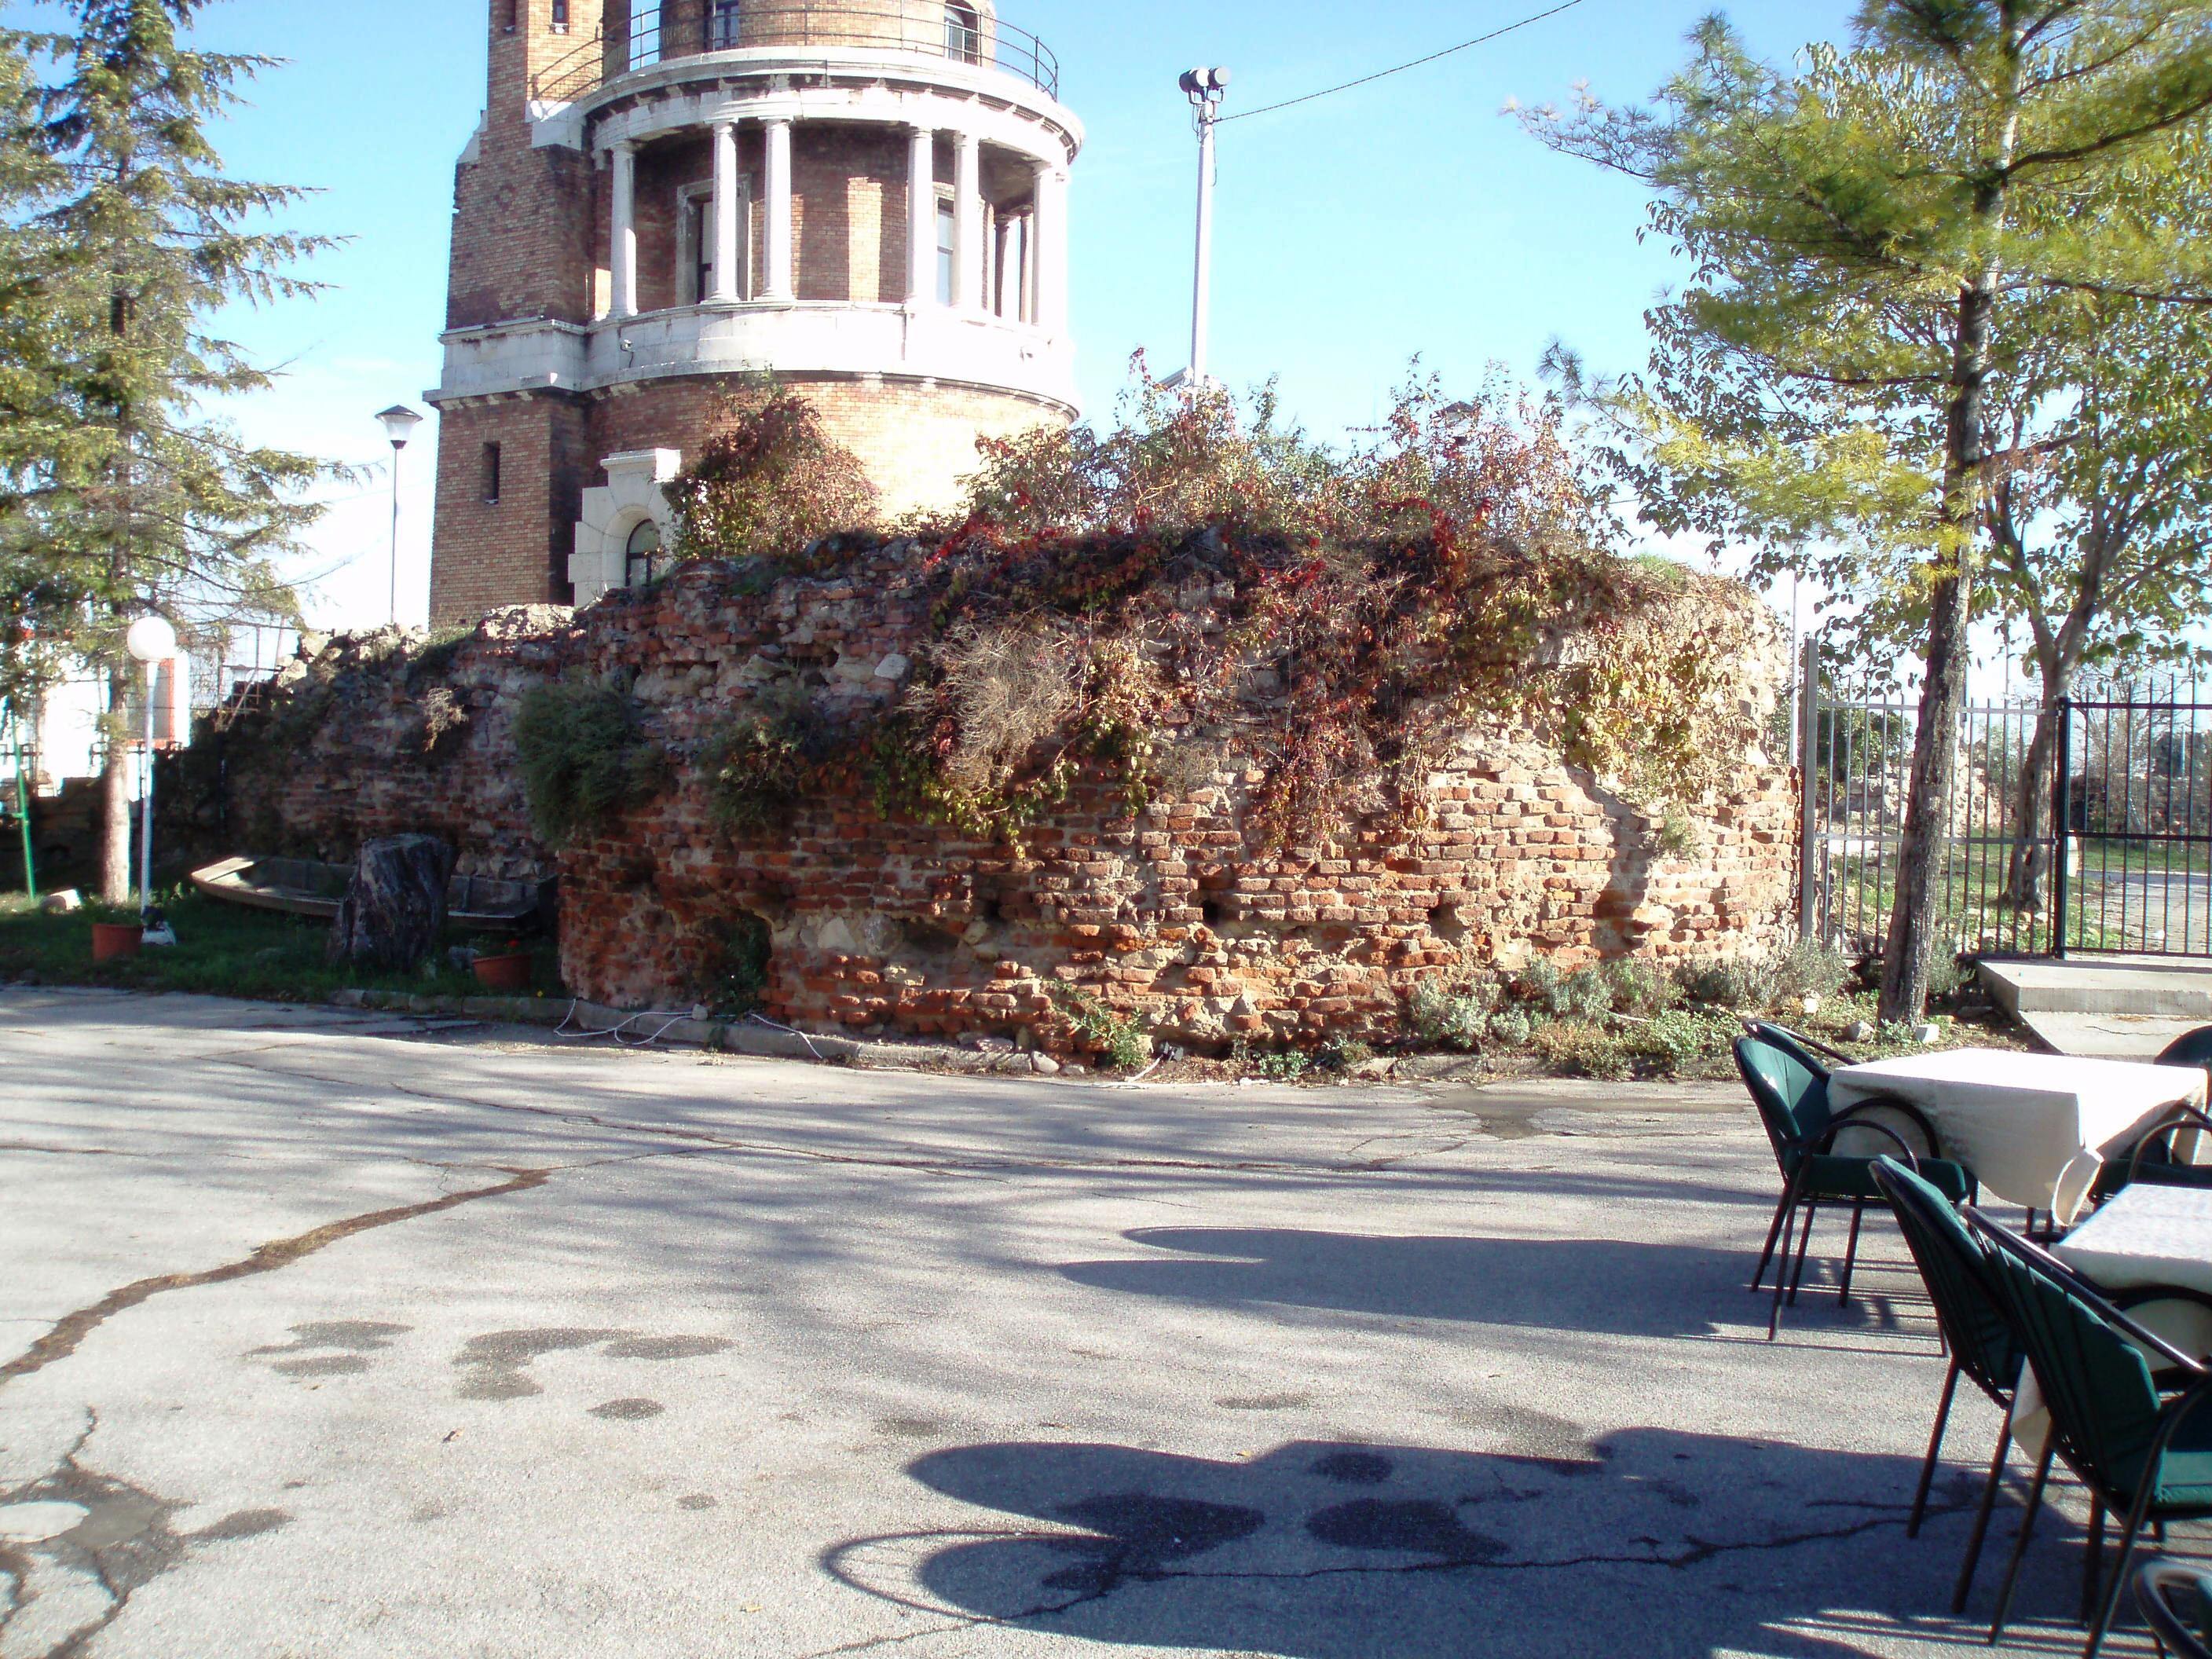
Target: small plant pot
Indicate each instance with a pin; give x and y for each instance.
(112, 940)
(510, 973)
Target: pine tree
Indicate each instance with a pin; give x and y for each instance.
(1860, 235)
(133, 496)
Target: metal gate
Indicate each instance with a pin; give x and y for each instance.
(2131, 783)
(2133, 798)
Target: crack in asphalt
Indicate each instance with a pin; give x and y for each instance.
(63, 1339)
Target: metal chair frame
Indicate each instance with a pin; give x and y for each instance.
(2154, 1582)
(1967, 1355)
(2104, 1497)
(1804, 1150)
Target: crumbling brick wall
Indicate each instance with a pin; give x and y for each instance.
(889, 926)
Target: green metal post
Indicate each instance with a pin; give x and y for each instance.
(23, 806)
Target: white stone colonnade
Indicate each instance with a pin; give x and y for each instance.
(1038, 295)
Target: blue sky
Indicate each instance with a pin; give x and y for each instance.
(1405, 217)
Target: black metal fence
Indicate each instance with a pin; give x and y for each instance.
(953, 30)
(2127, 772)
(2134, 798)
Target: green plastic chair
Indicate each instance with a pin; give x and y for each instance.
(2152, 1161)
(1793, 1104)
(1813, 1056)
(2144, 1451)
(2164, 1588)
(1955, 1267)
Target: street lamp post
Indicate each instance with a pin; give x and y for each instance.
(400, 425)
(1205, 87)
(151, 642)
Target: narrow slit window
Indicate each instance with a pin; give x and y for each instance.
(491, 474)
(946, 251)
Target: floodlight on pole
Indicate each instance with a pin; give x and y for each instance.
(1206, 89)
(399, 423)
(151, 642)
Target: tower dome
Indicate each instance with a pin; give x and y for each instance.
(865, 200)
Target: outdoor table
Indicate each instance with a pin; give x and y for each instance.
(2033, 1128)
(2146, 1236)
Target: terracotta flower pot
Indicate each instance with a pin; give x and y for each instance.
(112, 939)
(510, 973)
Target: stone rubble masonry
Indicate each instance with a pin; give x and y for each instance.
(882, 928)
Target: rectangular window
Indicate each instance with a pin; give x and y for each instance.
(946, 239)
(560, 17)
(723, 33)
(491, 474)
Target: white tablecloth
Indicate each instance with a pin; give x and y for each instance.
(2147, 1236)
(2033, 1128)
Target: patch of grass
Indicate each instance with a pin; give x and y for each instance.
(222, 949)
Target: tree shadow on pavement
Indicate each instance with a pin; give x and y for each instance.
(1582, 1284)
(1650, 1542)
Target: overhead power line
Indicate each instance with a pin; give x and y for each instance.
(1383, 75)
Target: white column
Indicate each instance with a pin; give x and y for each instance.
(622, 247)
(725, 278)
(968, 225)
(778, 209)
(1005, 286)
(1052, 250)
(920, 216)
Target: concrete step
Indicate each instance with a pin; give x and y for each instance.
(2143, 986)
(2108, 1037)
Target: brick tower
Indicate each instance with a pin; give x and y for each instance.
(865, 198)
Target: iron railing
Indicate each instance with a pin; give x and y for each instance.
(2129, 777)
(647, 35)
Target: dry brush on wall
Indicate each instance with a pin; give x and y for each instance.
(1188, 732)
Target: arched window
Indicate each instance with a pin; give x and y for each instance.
(963, 33)
(642, 556)
(723, 34)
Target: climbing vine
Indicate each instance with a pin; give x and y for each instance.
(1328, 624)
(1202, 594)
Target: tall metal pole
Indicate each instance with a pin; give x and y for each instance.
(2062, 828)
(1808, 825)
(397, 446)
(1206, 89)
(23, 804)
(1201, 302)
(146, 804)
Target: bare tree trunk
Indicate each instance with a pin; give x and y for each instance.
(2029, 870)
(1922, 854)
(115, 791)
(1922, 850)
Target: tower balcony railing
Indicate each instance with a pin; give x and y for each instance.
(954, 31)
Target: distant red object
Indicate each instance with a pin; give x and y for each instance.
(509, 973)
(112, 939)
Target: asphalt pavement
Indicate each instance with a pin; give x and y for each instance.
(320, 1336)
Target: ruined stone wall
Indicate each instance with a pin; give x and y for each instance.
(901, 926)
